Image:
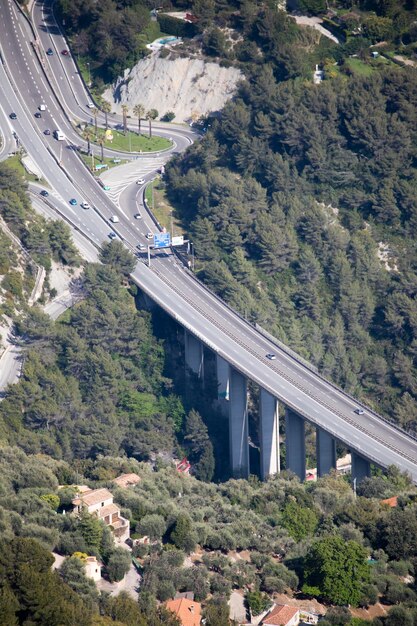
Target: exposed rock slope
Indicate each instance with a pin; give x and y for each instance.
(185, 86)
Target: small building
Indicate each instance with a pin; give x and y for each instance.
(100, 502)
(187, 611)
(184, 466)
(92, 568)
(392, 502)
(282, 615)
(318, 76)
(127, 480)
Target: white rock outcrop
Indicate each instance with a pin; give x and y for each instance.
(188, 87)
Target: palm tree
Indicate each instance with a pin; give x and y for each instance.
(106, 108)
(151, 115)
(139, 111)
(101, 144)
(95, 113)
(125, 110)
(87, 135)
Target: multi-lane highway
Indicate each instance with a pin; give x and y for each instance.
(167, 282)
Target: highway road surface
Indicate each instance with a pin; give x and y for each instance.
(167, 282)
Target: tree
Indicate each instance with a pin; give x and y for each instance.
(72, 571)
(257, 602)
(92, 530)
(216, 612)
(115, 254)
(183, 535)
(118, 564)
(101, 142)
(152, 526)
(87, 135)
(95, 113)
(106, 108)
(200, 448)
(336, 570)
(124, 609)
(300, 522)
(139, 111)
(152, 114)
(125, 110)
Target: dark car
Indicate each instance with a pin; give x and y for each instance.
(112, 235)
(38, 115)
(271, 356)
(47, 131)
(13, 116)
(44, 193)
(49, 52)
(359, 411)
(65, 53)
(73, 201)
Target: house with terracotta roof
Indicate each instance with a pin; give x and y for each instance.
(127, 480)
(187, 611)
(100, 502)
(282, 615)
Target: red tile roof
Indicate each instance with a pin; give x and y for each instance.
(390, 501)
(188, 611)
(280, 615)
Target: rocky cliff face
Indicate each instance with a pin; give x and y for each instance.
(188, 87)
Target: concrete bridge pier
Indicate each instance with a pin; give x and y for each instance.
(238, 425)
(223, 384)
(361, 468)
(269, 435)
(325, 451)
(295, 444)
(194, 354)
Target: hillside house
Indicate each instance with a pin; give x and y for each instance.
(282, 615)
(187, 611)
(100, 502)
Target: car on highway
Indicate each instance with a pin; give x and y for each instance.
(141, 247)
(85, 205)
(359, 411)
(137, 216)
(49, 52)
(38, 115)
(73, 201)
(44, 193)
(112, 235)
(90, 105)
(46, 131)
(140, 181)
(65, 53)
(271, 356)
(103, 184)
(13, 116)
(42, 107)
(149, 236)
(114, 219)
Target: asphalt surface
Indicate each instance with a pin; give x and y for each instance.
(171, 285)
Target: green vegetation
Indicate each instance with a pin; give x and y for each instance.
(162, 209)
(129, 142)
(92, 161)
(15, 163)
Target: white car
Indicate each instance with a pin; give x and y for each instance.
(90, 105)
(149, 236)
(114, 219)
(141, 247)
(42, 107)
(141, 181)
(137, 216)
(85, 205)
(271, 356)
